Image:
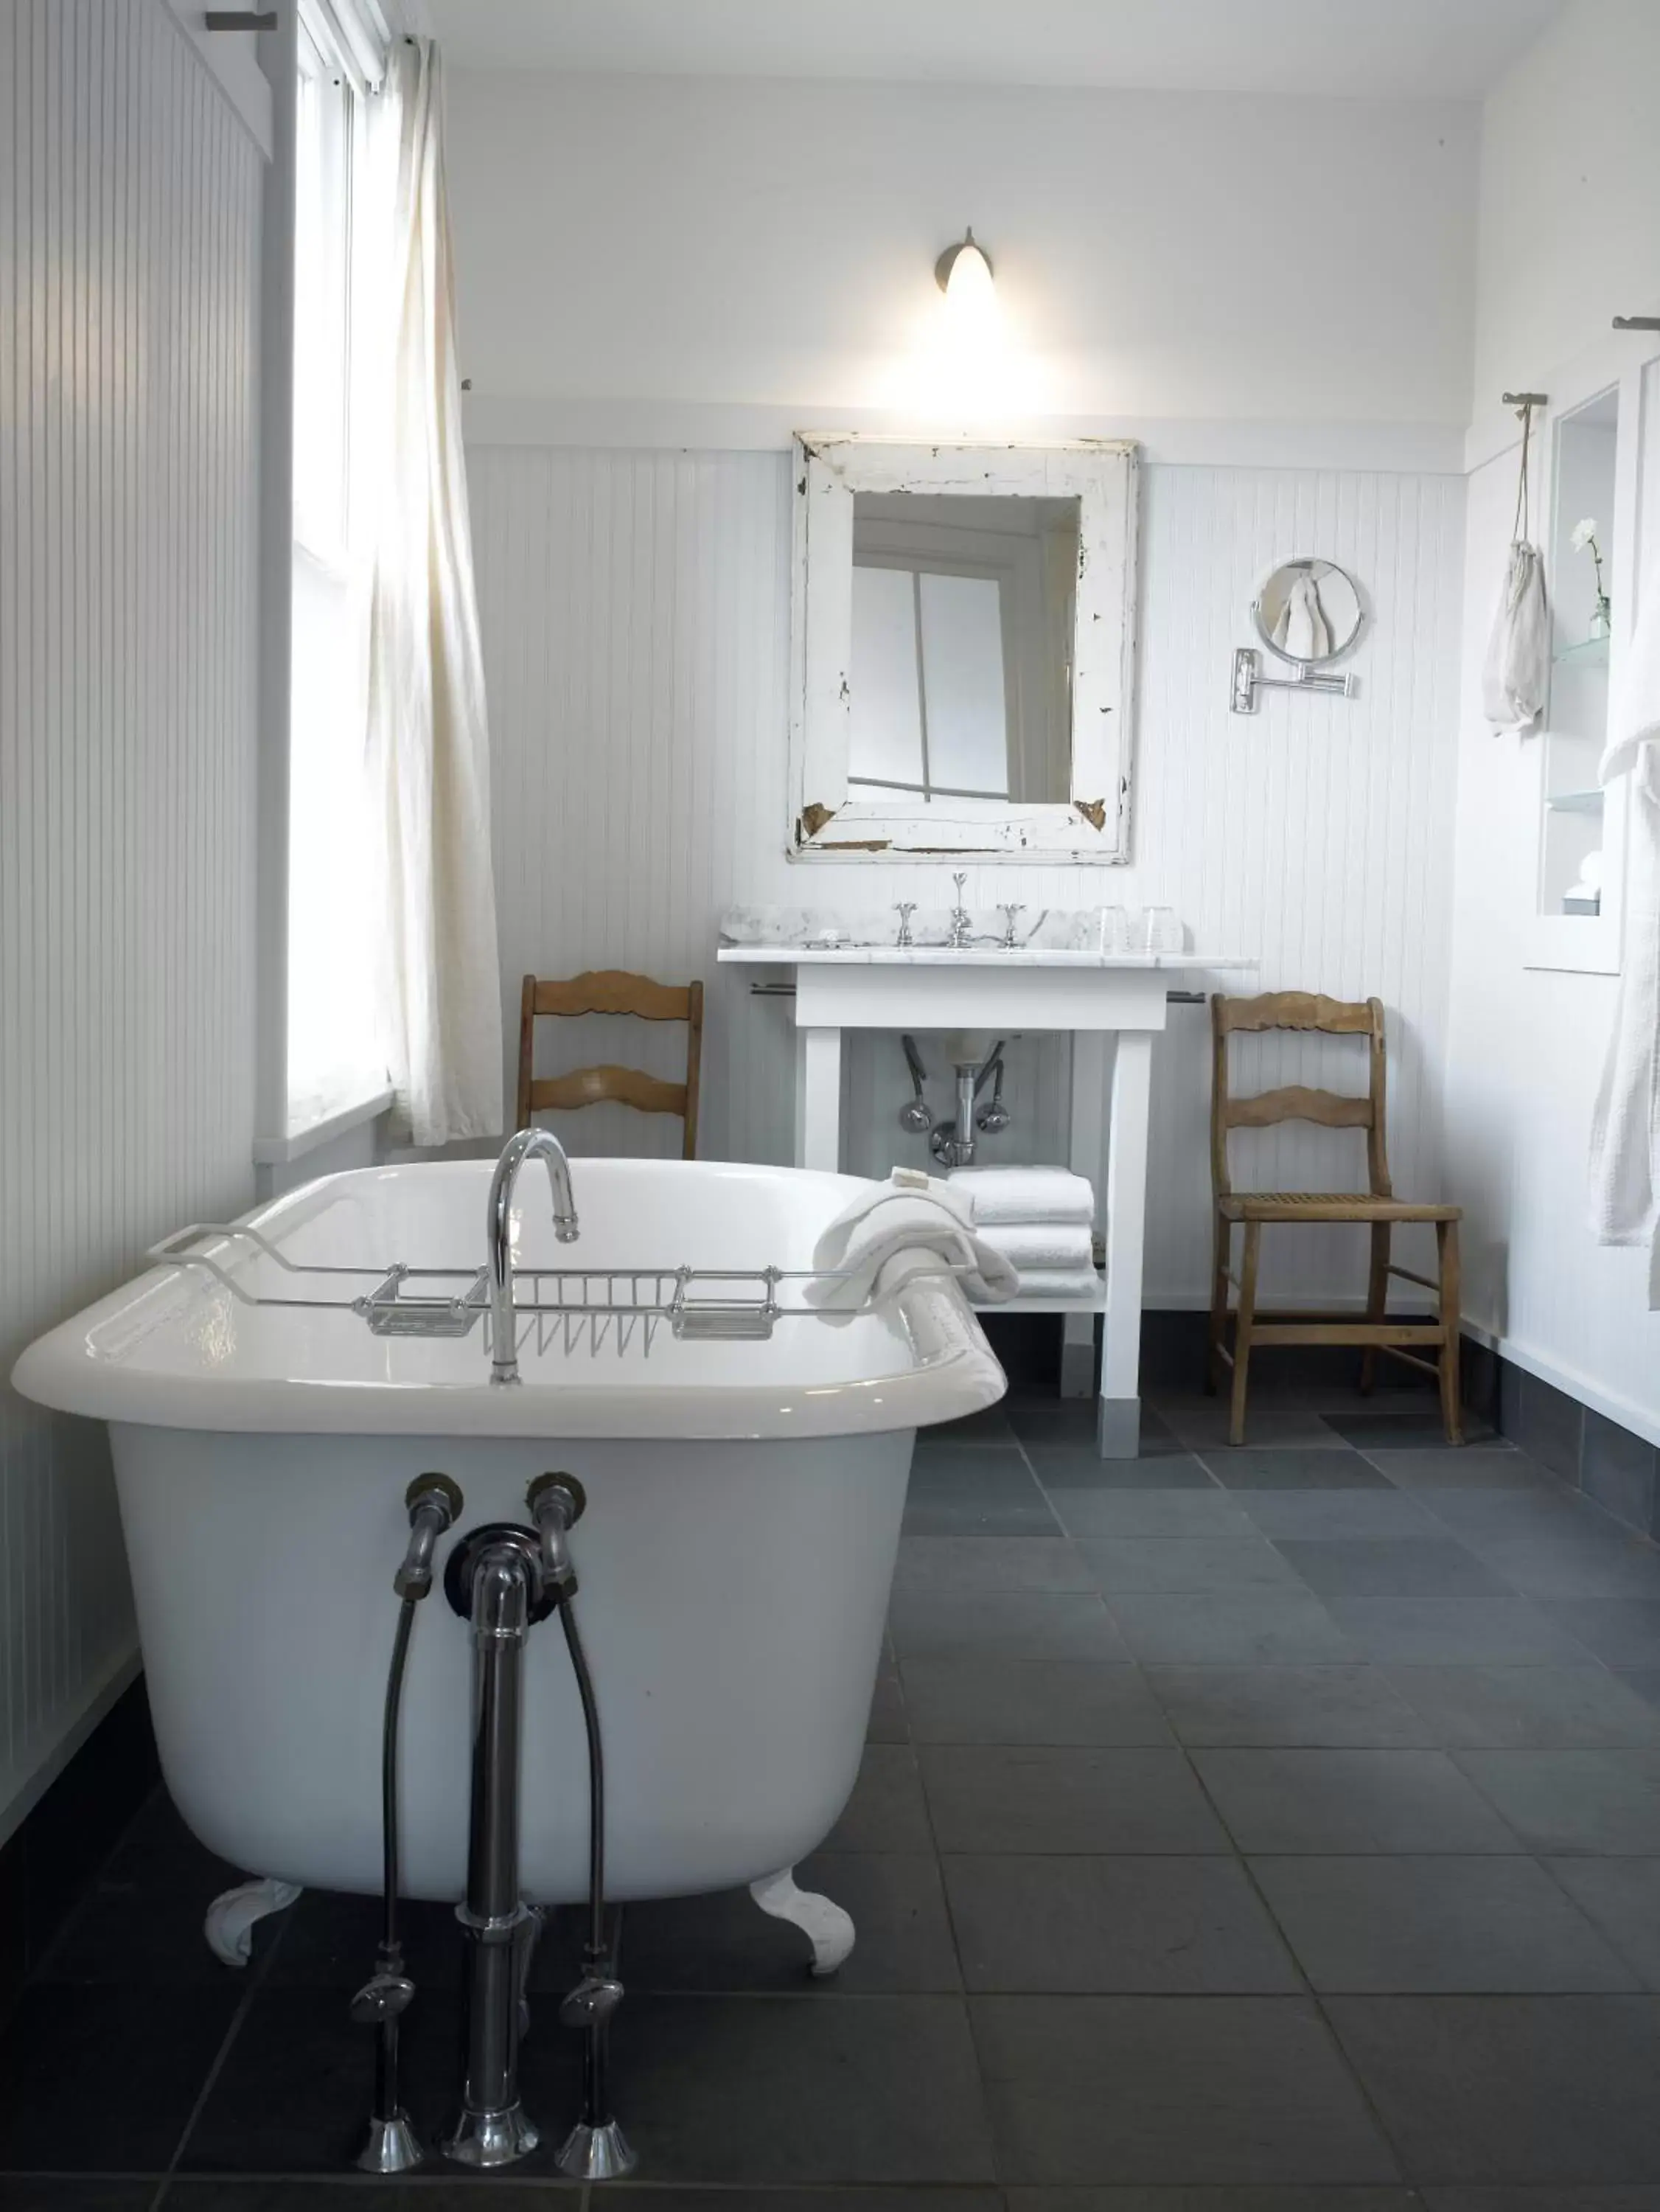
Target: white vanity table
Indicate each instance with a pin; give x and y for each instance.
(984, 986)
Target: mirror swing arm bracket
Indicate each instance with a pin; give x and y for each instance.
(1249, 680)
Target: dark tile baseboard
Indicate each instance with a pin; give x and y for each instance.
(1614, 1469)
(48, 1861)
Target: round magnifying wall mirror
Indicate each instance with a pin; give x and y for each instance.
(1308, 612)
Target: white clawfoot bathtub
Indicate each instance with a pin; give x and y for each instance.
(734, 1558)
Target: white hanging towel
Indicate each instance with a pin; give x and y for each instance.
(1516, 679)
(1624, 1136)
(909, 1225)
(1302, 632)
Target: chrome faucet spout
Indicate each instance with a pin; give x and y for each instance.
(961, 920)
(528, 1145)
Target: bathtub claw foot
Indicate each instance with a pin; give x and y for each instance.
(229, 1925)
(826, 1926)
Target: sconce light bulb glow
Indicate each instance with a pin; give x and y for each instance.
(971, 295)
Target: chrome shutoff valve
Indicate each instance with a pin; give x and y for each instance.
(435, 1503)
(556, 1503)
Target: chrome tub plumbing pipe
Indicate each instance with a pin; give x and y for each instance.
(435, 1503)
(494, 1579)
(528, 1145)
(595, 2149)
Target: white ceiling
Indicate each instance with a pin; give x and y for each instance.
(1380, 49)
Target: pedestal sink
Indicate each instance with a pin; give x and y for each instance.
(850, 973)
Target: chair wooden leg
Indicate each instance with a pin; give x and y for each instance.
(1446, 1238)
(1376, 1301)
(1218, 1335)
(1242, 1327)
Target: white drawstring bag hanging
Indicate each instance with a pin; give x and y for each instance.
(1516, 680)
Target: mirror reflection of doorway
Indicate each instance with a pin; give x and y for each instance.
(960, 686)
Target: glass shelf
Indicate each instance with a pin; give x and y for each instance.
(1575, 802)
(1589, 653)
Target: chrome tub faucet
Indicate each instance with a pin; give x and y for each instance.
(528, 1145)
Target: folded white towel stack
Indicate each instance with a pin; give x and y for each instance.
(1039, 1220)
(1024, 1195)
(1031, 1244)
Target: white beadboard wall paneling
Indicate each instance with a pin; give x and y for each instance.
(634, 608)
(129, 203)
(1526, 1053)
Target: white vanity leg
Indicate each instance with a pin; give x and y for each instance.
(1118, 1432)
(229, 1925)
(1084, 1158)
(826, 1926)
(817, 1099)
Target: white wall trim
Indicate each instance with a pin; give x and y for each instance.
(651, 425)
(231, 61)
(103, 1693)
(1642, 1420)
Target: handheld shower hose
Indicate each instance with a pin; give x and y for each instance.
(434, 1504)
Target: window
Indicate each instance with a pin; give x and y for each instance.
(332, 1056)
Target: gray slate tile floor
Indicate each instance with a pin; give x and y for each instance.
(1274, 1831)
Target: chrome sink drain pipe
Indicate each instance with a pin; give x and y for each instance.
(495, 1580)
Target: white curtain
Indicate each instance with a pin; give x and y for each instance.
(428, 746)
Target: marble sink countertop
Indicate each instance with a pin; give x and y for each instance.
(1048, 937)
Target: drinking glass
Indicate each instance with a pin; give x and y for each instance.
(1161, 929)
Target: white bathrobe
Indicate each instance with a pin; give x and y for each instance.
(1625, 1142)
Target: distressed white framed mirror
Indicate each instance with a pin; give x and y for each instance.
(962, 650)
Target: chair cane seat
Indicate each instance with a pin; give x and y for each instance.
(1326, 1206)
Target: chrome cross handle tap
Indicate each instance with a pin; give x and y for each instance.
(1008, 913)
(528, 1145)
(960, 918)
(904, 909)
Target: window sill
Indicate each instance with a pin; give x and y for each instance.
(295, 1144)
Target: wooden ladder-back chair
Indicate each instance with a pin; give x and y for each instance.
(1378, 1206)
(609, 991)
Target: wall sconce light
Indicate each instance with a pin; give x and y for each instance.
(963, 268)
(971, 320)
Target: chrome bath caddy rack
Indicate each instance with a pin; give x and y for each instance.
(619, 1304)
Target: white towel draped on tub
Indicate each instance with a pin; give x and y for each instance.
(1625, 1141)
(909, 1225)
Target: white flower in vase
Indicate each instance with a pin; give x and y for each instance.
(1583, 540)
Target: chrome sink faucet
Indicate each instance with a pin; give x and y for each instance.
(1008, 913)
(904, 909)
(960, 919)
(528, 1145)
